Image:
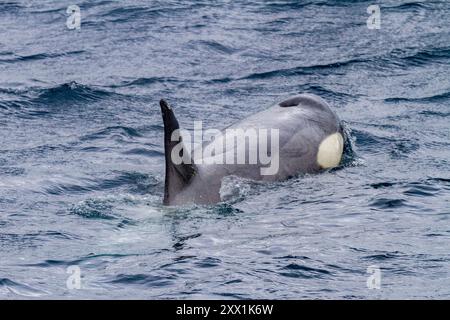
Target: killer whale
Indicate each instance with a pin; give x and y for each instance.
(310, 139)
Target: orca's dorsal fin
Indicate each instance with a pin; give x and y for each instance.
(177, 175)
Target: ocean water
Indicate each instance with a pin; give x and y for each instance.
(82, 162)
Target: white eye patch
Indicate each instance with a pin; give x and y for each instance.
(330, 151)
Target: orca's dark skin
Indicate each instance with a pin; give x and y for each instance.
(310, 140)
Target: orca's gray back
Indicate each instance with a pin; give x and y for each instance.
(303, 121)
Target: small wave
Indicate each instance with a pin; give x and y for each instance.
(431, 53)
(286, 5)
(295, 270)
(49, 10)
(440, 97)
(411, 57)
(31, 239)
(146, 280)
(101, 209)
(435, 113)
(407, 6)
(88, 259)
(20, 289)
(12, 171)
(302, 70)
(131, 13)
(295, 71)
(384, 256)
(365, 140)
(211, 45)
(222, 80)
(382, 185)
(387, 203)
(70, 93)
(395, 147)
(99, 3)
(181, 240)
(107, 133)
(38, 101)
(401, 148)
(95, 209)
(108, 208)
(396, 58)
(66, 188)
(38, 56)
(208, 262)
(145, 82)
(144, 152)
(283, 6)
(445, 181)
(10, 7)
(137, 183)
(327, 93)
(421, 190)
(289, 256)
(13, 105)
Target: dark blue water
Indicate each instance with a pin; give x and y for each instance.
(81, 152)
